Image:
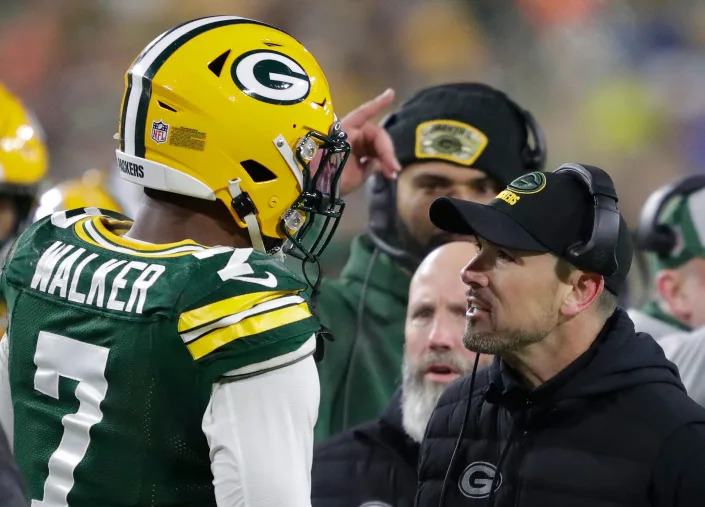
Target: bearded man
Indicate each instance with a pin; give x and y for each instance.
(374, 464)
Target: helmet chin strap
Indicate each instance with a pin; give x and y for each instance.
(246, 210)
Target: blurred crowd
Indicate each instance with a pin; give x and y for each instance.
(629, 72)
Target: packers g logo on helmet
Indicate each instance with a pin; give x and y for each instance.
(271, 76)
(247, 109)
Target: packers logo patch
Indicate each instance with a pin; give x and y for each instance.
(530, 183)
(271, 77)
(449, 140)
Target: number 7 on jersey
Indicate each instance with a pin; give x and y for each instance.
(60, 356)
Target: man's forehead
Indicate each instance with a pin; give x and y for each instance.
(445, 169)
(447, 257)
(514, 251)
(430, 291)
(440, 272)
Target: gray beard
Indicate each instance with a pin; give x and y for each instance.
(419, 397)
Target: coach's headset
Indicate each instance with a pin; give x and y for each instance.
(598, 254)
(651, 236)
(381, 192)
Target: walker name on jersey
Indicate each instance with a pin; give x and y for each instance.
(120, 285)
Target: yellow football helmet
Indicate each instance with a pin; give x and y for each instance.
(23, 158)
(87, 191)
(233, 109)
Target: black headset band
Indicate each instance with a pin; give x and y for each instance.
(599, 252)
(661, 238)
(534, 157)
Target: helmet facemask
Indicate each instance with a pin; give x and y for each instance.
(309, 224)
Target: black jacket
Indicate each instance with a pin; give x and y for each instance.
(11, 484)
(615, 428)
(373, 464)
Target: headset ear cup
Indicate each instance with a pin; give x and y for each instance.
(662, 240)
(599, 251)
(381, 197)
(534, 158)
(380, 193)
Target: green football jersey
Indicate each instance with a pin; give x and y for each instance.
(114, 348)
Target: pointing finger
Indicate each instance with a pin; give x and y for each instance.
(368, 110)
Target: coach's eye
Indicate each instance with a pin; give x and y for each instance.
(502, 254)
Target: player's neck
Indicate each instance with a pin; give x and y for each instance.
(168, 218)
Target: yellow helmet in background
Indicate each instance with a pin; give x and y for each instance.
(23, 155)
(233, 109)
(87, 191)
(23, 162)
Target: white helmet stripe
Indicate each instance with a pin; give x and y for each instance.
(145, 61)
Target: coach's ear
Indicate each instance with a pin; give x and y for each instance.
(582, 288)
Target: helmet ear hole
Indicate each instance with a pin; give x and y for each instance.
(257, 171)
(216, 66)
(166, 106)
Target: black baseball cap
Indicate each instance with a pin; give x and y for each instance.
(537, 212)
(467, 124)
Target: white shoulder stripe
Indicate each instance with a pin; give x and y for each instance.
(210, 252)
(190, 336)
(148, 58)
(59, 218)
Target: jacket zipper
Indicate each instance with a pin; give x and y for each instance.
(520, 451)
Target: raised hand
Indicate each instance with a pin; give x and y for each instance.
(372, 148)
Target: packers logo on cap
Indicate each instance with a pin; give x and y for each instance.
(449, 140)
(530, 183)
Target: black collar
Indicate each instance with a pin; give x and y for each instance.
(392, 433)
(507, 388)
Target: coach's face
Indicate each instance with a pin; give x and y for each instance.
(513, 298)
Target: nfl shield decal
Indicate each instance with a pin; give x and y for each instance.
(160, 131)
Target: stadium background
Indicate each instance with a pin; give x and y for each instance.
(614, 83)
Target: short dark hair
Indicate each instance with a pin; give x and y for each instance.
(606, 303)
